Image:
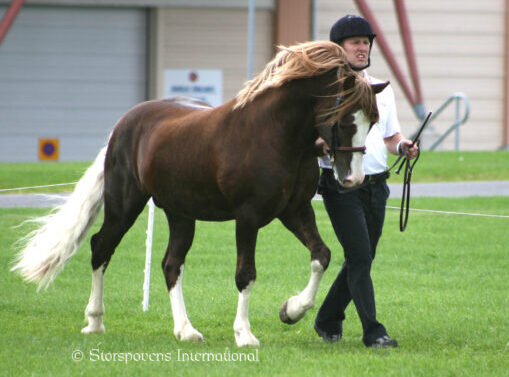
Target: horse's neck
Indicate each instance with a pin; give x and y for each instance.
(295, 118)
(285, 114)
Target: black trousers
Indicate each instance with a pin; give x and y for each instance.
(357, 218)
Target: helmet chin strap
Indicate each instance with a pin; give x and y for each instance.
(358, 69)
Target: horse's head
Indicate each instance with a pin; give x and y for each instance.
(347, 125)
(344, 102)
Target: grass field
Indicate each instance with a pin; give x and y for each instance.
(441, 289)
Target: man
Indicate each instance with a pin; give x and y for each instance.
(358, 216)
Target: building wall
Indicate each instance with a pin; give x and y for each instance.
(57, 94)
(459, 47)
(208, 38)
(293, 21)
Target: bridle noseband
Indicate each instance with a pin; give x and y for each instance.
(351, 149)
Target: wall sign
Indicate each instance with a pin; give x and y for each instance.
(203, 84)
(48, 149)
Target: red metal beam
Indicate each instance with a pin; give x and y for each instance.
(404, 27)
(386, 50)
(9, 17)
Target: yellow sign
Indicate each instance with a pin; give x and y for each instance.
(48, 149)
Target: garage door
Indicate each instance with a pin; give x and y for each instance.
(66, 75)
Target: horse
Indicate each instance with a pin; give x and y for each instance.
(252, 159)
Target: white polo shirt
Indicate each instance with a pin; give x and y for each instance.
(375, 159)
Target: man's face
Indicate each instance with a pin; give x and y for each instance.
(357, 51)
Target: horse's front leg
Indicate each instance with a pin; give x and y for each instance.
(181, 238)
(303, 224)
(245, 277)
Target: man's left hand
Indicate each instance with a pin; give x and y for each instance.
(408, 150)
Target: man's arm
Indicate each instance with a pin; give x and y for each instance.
(397, 144)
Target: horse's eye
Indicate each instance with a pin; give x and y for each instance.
(348, 128)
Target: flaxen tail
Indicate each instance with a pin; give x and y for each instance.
(48, 248)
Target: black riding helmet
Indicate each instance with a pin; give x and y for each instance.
(352, 26)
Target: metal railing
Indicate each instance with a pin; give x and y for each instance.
(457, 98)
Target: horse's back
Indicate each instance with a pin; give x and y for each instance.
(202, 162)
(168, 146)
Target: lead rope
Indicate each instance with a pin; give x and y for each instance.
(405, 197)
(407, 178)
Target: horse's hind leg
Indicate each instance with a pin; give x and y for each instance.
(122, 205)
(181, 239)
(303, 224)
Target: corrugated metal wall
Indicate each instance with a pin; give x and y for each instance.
(460, 48)
(69, 73)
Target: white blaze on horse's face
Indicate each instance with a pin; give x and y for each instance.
(356, 170)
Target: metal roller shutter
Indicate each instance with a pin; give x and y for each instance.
(69, 73)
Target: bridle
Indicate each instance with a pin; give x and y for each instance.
(405, 200)
(334, 147)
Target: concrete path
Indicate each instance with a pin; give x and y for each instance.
(457, 189)
(31, 200)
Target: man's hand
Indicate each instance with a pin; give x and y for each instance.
(406, 148)
(321, 147)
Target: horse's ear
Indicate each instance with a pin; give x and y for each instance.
(377, 88)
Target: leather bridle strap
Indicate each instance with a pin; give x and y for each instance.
(345, 148)
(351, 149)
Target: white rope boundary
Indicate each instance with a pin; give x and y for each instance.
(452, 213)
(317, 197)
(36, 187)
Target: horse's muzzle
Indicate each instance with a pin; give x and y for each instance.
(352, 181)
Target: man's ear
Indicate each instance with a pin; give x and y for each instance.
(377, 88)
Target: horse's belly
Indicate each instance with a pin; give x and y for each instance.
(189, 204)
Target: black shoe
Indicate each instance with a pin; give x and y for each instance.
(383, 342)
(327, 337)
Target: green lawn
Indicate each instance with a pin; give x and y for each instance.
(441, 288)
(459, 166)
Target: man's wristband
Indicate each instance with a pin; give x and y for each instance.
(398, 147)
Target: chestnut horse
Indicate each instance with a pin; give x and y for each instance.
(251, 159)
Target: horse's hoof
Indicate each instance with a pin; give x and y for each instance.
(189, 334)
(246, 339)
(93, 329)
(283, 315)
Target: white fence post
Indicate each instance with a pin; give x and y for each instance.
(148, 254)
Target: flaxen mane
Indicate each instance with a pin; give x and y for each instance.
(307, 60)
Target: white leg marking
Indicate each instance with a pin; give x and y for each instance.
(182, 328)
(242, 328)
(95, 308)
(298, 305)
